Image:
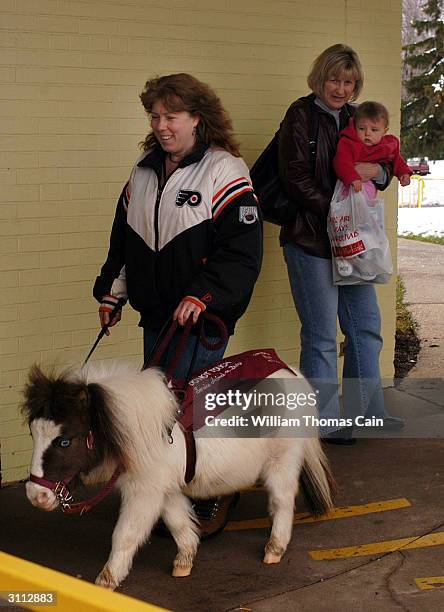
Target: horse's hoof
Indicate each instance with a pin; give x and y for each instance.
(181, 570)
(106, 580)
(270, 558)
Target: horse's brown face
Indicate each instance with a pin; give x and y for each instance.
(59, 453)
(60, 425)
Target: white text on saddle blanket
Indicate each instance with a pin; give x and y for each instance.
(130, 414)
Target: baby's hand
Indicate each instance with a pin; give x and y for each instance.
(357, 185)
(404, 180)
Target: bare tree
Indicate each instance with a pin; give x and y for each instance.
(412, 10)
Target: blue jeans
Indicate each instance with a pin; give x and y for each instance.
(319, 303)
(204, 358)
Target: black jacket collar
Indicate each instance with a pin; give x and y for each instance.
(155, 158)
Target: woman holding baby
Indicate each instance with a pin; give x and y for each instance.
(307, 145)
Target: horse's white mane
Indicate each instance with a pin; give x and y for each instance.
(142, 406)
(97, 371)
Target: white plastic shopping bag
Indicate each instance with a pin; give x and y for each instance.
(360, 249)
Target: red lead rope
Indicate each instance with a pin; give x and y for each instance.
(61, 491)
(86, 506)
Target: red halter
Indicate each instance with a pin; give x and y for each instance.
(63, 494)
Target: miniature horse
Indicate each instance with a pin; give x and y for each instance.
(89, 421)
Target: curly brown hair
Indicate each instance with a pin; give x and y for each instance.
(183, 92)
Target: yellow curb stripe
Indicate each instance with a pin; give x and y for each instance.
(433, 582)
(20, 576)
(336, 513)
(432, 539)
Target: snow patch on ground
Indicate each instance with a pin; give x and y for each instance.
(429, 219)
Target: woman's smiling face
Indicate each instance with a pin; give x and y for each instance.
(338, 90)
(174, 130)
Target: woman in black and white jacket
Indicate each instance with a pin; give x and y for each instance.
(187, 234)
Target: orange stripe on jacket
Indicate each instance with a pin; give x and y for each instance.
(233, 197)
(241, 178)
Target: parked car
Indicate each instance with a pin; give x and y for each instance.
(419, 165)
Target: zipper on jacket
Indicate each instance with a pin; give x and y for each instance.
(160, 189)
(156, 218)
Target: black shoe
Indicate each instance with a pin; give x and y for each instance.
(213, 514)
(340, 436)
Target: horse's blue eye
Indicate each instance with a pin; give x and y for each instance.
(62, 442)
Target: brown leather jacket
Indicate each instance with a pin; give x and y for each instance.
(310, 194)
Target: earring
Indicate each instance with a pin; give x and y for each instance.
(194, 130)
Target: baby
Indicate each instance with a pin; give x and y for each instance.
(365, 139)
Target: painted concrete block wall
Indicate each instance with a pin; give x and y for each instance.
(70, 123)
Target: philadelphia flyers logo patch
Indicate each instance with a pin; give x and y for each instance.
(192, 198)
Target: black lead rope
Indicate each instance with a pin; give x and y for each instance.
(118, 306)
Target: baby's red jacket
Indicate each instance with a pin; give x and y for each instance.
(351, 150)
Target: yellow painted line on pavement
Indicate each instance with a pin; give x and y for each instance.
(432, 539)
(336, 513)
(432, 582)
(23, 578)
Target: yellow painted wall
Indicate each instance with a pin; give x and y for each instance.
(70, 121)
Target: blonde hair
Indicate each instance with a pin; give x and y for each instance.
(183, 92)
(331, 63)
(373, 111)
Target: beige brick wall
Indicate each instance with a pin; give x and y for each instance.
(70, 121)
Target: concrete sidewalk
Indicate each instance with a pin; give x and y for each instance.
(421, 266)
(392, 492)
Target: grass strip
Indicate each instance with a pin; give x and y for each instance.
(407, 343)
(421, 238)
(404, 319)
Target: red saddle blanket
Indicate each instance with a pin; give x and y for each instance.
(248, 366)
